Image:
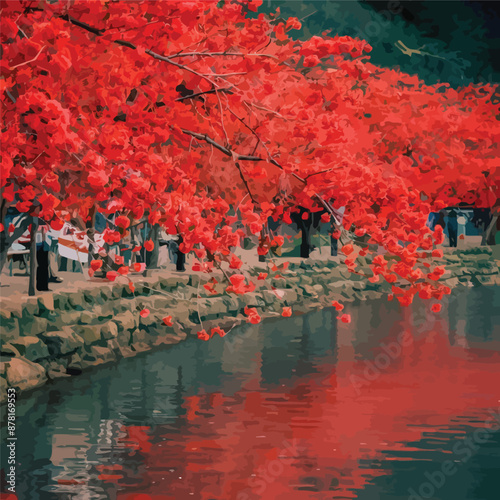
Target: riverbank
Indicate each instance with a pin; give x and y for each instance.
(62, 333)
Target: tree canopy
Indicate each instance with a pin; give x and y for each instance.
(208, 121)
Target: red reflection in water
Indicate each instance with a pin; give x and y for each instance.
(322, 436)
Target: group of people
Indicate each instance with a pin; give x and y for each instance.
(49, 261)
(449, 220)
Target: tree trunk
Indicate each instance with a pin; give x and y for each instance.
(491, 230)
(134, 241)
(90, 226)
(305, 246)
(181, 258)
(262, 258)
(334, 243)
(4, 244)
(4, 248)
(152, 258)
(304, 226)
(32, 278)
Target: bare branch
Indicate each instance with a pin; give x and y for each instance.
(245, 182)
(214, 54)
(85, 26)
(222, 120)
(318, 173)
(213, 91)
(27, 62)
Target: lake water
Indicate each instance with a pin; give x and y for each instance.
(398, 404)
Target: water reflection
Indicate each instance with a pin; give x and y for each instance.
(291, 409)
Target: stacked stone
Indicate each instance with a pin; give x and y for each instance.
(61, 334)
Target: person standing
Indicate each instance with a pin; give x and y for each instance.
(441, 219)
(42, 260)
(453, 227)
(173, 247)
(432, 220)
(52, 240)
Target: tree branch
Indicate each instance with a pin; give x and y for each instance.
(202, 137)
(213, 54)
(27, 62)
(318, 173)
(85, 26)
(154, 55)
(245, 182)
(237, 157)
(213, 91)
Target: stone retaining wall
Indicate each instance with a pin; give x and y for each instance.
(60, 335)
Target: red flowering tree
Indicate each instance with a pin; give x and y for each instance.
(193, 116)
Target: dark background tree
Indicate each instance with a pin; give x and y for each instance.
(440, 41)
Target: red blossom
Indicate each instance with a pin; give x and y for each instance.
(95, 264)
(311, 61)
(235, 262)
(347, 249)
(338, 306)
(139, 267)
(57, 224)
(203, 335)
(122, 221)
(253, 315)
(238, 285)
(261, 250)
(278, 241)
(405, 300)
(219, 331)
(98, 178)
(345, 318)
